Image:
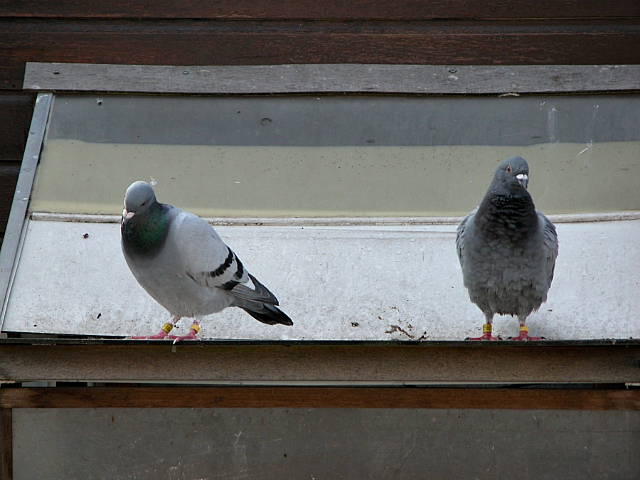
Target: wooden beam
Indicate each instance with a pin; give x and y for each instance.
(352, 78)
(297, 363)
(6, 444)
(326, 10)
(318, 397)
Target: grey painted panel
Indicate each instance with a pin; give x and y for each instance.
(15, 223)
(346, 120)
(324, 443)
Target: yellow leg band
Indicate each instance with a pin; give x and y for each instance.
(195, 328)
(486, 328)
(524, 329)
(167, 327)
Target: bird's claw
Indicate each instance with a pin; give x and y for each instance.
(162, 335)
(485, 337)
(189, 336)
(524, 337)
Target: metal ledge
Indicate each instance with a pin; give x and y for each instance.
(339, 221)
(14, 233)
(319, 363)
(38, 339)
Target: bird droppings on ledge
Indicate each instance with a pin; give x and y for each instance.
(398, 328)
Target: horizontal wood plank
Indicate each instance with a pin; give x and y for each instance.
(271, 43)
(318, 363)
(319, 397)
(354, 78)
(329, 9)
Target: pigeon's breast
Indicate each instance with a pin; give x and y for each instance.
(511, 279)
(167, 281)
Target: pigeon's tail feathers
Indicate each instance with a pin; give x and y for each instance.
(259, 294)
(269, 314)
(260, 303)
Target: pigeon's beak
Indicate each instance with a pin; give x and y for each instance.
(523, 179)
(127, 215)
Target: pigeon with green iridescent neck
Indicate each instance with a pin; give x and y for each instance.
(180, 260)
(507, 250)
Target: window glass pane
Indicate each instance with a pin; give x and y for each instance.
(333, 156)
(338, 155)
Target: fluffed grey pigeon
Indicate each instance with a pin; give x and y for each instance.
(507, 250)
(180, 260)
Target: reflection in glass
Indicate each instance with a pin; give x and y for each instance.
(338, 156)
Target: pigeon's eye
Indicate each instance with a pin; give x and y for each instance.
(508, 168)
(142, 204)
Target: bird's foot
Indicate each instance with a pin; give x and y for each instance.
(523, 335)
(161, 335)
(192, 335)
(486, 334)
(158, 336)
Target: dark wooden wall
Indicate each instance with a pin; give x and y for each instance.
(251, 32)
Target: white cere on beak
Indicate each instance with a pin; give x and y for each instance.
(127, 215)
(523, 179)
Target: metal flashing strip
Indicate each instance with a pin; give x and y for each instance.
(338, 221)
(15, 224)
(509, 80)
(31, 339)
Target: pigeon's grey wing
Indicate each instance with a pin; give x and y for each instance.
(207, 260)
(549, 243)
(210, 262)
(461, 235)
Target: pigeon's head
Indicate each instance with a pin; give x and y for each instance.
(513, 173)
(137, 199)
